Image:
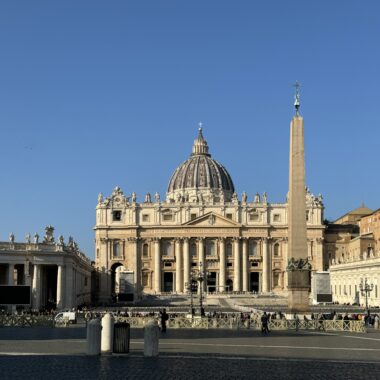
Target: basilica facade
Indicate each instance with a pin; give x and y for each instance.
(201, 228)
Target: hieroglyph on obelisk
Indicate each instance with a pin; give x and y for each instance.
(298, 269)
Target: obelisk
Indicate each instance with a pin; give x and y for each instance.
(298, 269)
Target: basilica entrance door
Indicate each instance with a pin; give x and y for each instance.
(168, 281)
(254, 281)
(211, 282)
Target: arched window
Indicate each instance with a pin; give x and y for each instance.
(210, 248)
(252, 248)
(167, 249)
(145, 251)
(229, 249)
(276, 250)
(116, 249)
(193, 249)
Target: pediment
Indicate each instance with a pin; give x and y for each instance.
(212, 220)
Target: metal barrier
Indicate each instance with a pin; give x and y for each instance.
(196, 322)
(26, 320)
(234, 323)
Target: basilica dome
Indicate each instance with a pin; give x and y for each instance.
(200, 178)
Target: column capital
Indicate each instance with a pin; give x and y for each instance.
(236, 238)
(221, 239)
(200, 239)
(186, 239)
(133, 239)
(156, 239)
(177, 240)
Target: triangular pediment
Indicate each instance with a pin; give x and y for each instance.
(212, 220)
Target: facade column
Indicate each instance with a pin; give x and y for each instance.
(222, 263)
(186, 263)
(201, 252)
(60, 287)
(157, 266)
(178, 265)
(36, 287)
(136, 266)
(265, 278)
(245, 266)
(236, 265)
(201, 261)
(11, 273)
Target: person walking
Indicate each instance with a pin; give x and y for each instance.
(164, 318)
(264, 324)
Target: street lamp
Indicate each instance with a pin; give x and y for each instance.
(190, 287)
(199, 275)
(365, 289)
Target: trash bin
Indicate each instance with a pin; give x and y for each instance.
(121, 338)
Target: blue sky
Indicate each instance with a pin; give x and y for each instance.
(95, 94)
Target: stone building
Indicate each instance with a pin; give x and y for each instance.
(152, 247)
(354, 256)
(58, 274)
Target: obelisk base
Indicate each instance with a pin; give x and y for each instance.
(298, 291)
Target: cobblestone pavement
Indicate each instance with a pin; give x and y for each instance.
(37, 353)
(172, 367)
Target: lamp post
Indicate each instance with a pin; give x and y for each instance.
(199, 275)
(190, 288)
(365, 289)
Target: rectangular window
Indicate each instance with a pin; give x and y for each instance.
(116, 249)
(253, 217)
(254, 264)
(229, 264)
(229, 216)
(145, 218)
(116, 216)
(193, 264)
(145, 279)
(193, 216)
(168, 217)
(167, 264)
(276, 218)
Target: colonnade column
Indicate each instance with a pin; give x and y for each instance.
(26, 273)
(186, 262)
(11, 273)
(237, 269)
(266, 267)
(222, 267)
(245, 265)
(69, 286)
(60, 289)
(36, 287)
(157, 266)
(178, 265)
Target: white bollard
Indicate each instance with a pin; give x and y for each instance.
(107, 334)
(151, 333)
(93, 337)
